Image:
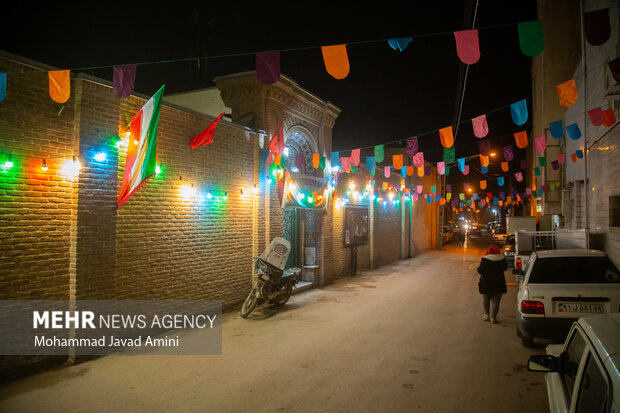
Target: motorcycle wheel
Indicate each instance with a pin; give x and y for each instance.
(283, 298)
(250, 302)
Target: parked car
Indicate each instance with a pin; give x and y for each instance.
(475, 229)
(509, 250)
(559, 286)
(582, 374)
(499, 233)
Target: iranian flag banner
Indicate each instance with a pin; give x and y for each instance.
(141, 150)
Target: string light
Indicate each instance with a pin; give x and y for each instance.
(100, 157)
(44, 166)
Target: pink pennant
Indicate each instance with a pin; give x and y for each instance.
(519, 176)
(596, 116)
(345, 164)
(441, 168)
(483, 202)
(481, 128)
(467, 46)
(386, 171)
(415, 197)
(124, 78)
(268, 67)
(466, 170)
(355, 157)
(541, 143)
(528, 191)
(561, 158)
(419, 189)
(418, 160)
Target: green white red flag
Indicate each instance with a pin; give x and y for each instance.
(141, 150)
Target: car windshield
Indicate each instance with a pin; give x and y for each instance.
(574, 270)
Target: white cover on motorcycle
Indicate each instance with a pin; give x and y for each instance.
(277, 253)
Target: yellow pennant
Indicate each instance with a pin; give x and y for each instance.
(60, 85)
(420, 171)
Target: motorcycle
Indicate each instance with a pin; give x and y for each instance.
(273, 284)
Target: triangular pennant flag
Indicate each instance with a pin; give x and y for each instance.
(573, 131)
(500, 180)
(483, 184)
(124, 79)
(518, 110)
(355, 157)
(140, 162)
(386, 171)
(542, 161)
(557, 129)
(412, 146)
(561, 158)
(446, 137)
(410, 171)
(322, 163)
(206, 136)
(574, 157)
(418, 160)
(540, 143)
(505, 166)
(370, 165)
(467, 46)
(555, 165)
(579, 153)
(596, 116)
(379, 153)
(397, 161)
(609, 118)
(596, 26)
(441, 168)
(484, 147)
(480, 126)
(316, 158)
(461, 164)
(521, 139)
(484, 160)
(336, 60)
(2, 86)
(567, 93)
(400, 43)
(268, 67)
(59, 85)
(508, 153)
(277, 142)
(531, 38)
(519, 176)
(448, 155)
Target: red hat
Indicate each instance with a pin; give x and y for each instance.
(493, 249)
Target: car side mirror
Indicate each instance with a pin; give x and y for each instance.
(543, 363)
(519, 277)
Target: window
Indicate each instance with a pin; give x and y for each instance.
(574, 270)
(614, 211)
(570, 362)
(593, 389)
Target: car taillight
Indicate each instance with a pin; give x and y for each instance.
(532, 307)
(518, 263)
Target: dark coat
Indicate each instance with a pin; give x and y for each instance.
(491, 270)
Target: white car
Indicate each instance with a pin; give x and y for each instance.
(559, 286)
(583, 373)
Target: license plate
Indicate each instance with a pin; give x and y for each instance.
(580, 308)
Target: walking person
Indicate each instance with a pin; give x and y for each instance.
(492, 283)
(461, 235)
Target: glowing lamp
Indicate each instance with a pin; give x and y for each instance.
(100, 156)
(157, 169)
(44, 166)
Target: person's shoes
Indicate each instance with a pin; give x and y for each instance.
(485, 317)
(493, 321)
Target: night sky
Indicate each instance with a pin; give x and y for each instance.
(388, 96)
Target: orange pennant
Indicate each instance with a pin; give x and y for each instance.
(509, 199)
(316, 160)
(567, 93)
(278, 159)
(521, 139)
(60, 85)
(483, 184)
(442, 201)
(336, 60)
(447, 139)
(484, 160)
(397, 161)
(574, 157)
(409, 170)
(505, 166)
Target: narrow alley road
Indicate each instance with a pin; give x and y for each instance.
(404, 338)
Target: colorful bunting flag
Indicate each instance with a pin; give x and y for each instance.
(609, 118)
(500, 180)
(418, 160)
(277, 142)
(268, 67)
(467, 46)
(574, 157)
(531, 38)
(336, 60)
(484, 160)
(521, 139)
(123, 78)
(484, 169)
(542, 161)
(2, 86)
(345, 163)
(428, 170)
(518, 111)
(419, 189)
(59, 85)
(541, 143)
(355, 157)
(400, 43)
(480, 126)
(483, 184)
(484, 147)
(519, 176)
(508, 153)
(579, 153)
(461, 164)
(335, 160)
(379, 153)
(420, 171)
(561, 158)
(140, 162)
(557, 129)
(596, 26)
(441, 168)
(403, 171)
(567, 93)
(316, 159)
(386, 171)
(322, 163)
(466, 170)
(206, 136)
(370, 165)
(596, 116)
(555, 165)
(410, 171)
(573, 131)
(397, 161)
(412, 146)
(448, 155)
(505, 166)
(446, 137)
(536, 171)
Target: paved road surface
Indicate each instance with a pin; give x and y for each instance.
(404, 338)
